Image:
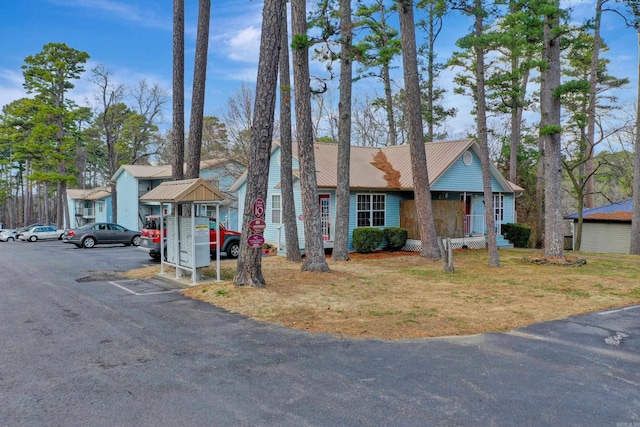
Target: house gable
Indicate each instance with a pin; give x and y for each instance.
(465, 174)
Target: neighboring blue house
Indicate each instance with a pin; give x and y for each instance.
(134, 181)
(89, 205)
(382, 192)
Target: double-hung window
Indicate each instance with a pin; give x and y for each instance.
(370, 210)
(498, 207)
(276, 209)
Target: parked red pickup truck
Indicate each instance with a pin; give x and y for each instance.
(150, 238)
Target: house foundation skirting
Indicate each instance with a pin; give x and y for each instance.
(457, 243)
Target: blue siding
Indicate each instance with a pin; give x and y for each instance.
(456, 181)
(128, 201)
(105, 215)
(460, 177)
(225, 177)
(272, 230)
(391, 215)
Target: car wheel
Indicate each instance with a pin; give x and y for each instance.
(10, 239)
(60, 236)
(136, 241)
(233, 250)
(88, 242)
(33, 238)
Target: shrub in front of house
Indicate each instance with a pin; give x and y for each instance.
(395, 237)
(518, 234)
(367, 239)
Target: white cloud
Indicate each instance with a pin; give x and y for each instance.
(245, 45)
(11, 86)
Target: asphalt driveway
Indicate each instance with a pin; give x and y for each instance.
(81, 346)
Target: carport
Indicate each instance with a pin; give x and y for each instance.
(186, 195)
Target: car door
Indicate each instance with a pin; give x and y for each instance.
(47, 233)
(101, 230)
(117, 234)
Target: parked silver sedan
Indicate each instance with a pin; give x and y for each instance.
(101, 233)
(40, 232)
(8, 235)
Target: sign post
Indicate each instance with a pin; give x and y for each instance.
(257, 225)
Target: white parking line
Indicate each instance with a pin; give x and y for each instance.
(138, 293)
(631, 307)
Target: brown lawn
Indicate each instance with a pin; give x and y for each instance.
(397, 295)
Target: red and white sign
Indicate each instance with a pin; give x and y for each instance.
(257, 225)
(258, 208)
(255, 241)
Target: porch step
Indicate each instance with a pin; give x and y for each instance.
(503, 243)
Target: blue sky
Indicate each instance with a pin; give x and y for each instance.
(133, 39)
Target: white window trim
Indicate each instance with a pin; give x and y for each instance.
(276, 209)
(498, 206)
(371, 196)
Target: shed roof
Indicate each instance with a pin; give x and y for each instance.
(620, 211)
(184, 191)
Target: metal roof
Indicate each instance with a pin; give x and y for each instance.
(89, 193)
(184, 191)
(384, 168)
(620, 211)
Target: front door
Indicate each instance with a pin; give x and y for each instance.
(466, 199)
(324, 201)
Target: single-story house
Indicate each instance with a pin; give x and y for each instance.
(89, 205)
(382, 192)
(134, 181)
(606, 228)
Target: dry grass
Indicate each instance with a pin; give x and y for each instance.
(399, 296)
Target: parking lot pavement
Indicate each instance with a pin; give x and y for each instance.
(82, 346)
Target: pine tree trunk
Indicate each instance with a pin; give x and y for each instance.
(314, 250)
(591, 123)
(292, 241)
(422, 189)
(635, 218)
(550, 132)
(341, 231)
(194, 143)
(249, 267)
(391, 121)
(489, 212)
(177, 133)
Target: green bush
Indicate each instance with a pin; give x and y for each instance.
(395, 237)
(367, 239)
(518, 234)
